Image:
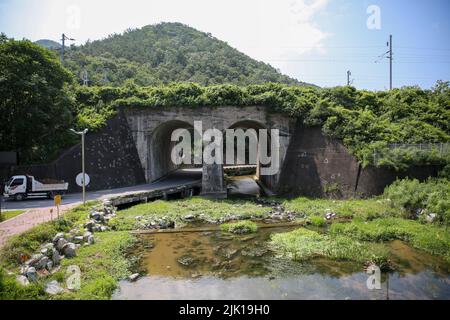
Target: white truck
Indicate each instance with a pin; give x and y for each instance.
(22, 187)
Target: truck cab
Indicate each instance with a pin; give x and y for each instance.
(21, 187)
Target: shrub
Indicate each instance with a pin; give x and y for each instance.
(317, 221)
(241, 227)
(412, 196)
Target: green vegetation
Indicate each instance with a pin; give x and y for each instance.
(367, 122)
(373, 221)
(433, 239)
(241, 227)
(164, 53)
(10, 214)
(166, 65)
(35, 102)
(102, 264)
(317, 221)
(364, 209)
(303, 244)
(417, 199)
(182, 211)
(10, 289)
(29, 242)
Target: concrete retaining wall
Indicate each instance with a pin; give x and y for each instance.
(111, 160)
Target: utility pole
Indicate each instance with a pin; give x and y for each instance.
(388, 55)
(349, 82)
(82, 134)
(63, 49)
(391, 55)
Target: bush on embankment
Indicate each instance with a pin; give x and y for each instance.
(428, 200)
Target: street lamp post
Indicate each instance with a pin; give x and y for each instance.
(82, 134)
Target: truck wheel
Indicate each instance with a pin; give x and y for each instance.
(19, 197)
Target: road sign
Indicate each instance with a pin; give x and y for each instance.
(57, 200)
(79, 179)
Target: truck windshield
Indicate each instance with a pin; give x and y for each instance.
(17, 182)
(9, 182)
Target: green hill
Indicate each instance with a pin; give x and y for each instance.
(48, 44)
(168, 52)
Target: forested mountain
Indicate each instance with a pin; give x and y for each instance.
(49, 44)
(167, 52)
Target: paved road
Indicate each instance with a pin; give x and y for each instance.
(178, 178)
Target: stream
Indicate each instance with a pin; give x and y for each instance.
(215, 265)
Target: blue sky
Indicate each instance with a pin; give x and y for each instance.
(313, 40)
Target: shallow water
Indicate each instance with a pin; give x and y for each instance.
(214, 265)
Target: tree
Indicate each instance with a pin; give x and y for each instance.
(35, 105)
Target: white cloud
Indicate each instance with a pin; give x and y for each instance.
(287, 30)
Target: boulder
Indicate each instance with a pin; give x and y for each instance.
(42, 264)
(90, 240)
(78, 239)
(46, 252)
(31, 274)
(86, 236)
(89, 225)
(23, 280)
(56, 258)
(35, 258)
(60, 244)
(49, 265)
(189, 217)
(133, 277)
(431, 217)
(53, 288)
(23, 270)
(69, 250)
(57, 237)
(97, 216)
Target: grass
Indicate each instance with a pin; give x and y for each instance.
(29, 241)
(208, 211)
(303, 244)
(241, 227)
(10, 214)
(364, 209)
(102, 264)
(317, 221)
(430, 238)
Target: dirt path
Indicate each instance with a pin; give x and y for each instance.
(28, 220)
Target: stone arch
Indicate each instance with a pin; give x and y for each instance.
(160, 147)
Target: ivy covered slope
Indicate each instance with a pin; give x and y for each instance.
(167, 52)
(365, 121)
